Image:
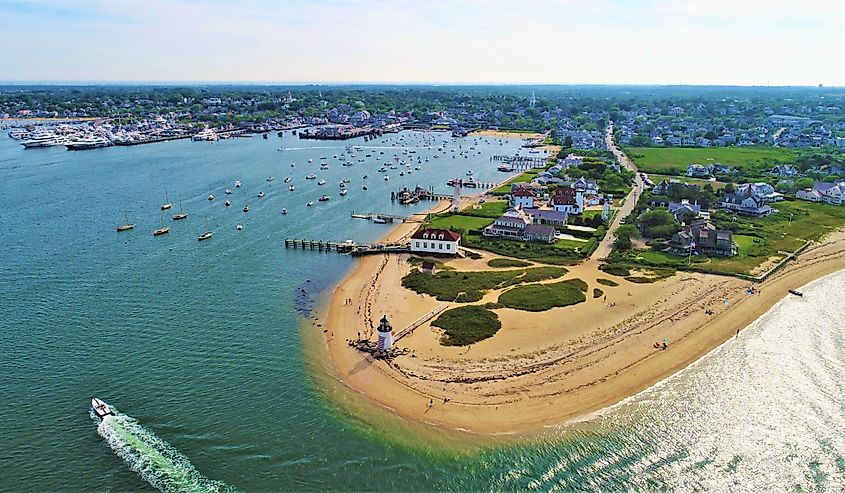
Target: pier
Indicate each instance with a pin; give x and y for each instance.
(320, 245)
(373, 216)
(407, 196)
(522, 162)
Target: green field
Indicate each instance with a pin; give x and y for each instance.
(542, 297)
(491, 209)
(466, 325)
(522, 178)
(674, 160)
(459, 222)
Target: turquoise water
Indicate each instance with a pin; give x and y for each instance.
(200, 345)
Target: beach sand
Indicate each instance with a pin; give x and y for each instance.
(543, 369)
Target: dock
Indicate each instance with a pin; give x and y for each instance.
(522, 162)
(387, 218)
(320, 245)
(408, 196)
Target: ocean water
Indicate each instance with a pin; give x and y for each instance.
(202, 349)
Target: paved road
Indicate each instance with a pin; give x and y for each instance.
(606, 245)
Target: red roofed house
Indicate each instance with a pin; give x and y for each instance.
(522, 198)
(568, 200)
(429, 240)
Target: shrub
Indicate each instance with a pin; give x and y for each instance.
(542, 297)
(607, 282)
(597, 293)
(464, 287)
(506, 262)
(616, 270)
(467, 325)
(578, 283)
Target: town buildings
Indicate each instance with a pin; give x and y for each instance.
(429, 240)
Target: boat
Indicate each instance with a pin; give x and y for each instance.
(287, 180)
(323, 198)
(163, 230)
(321, 182)
(181, 215)
(246, 208)
(291, 188)
(469, 173)
(207, 234)
(270, 178)
(311, 177)
(210, 196)
(260, 194)
(366, 176)
(206, 134)
(343, 192)
(293, 165)
(796, 292)
(227, 203)
(310, 160)
(43, 139)
(342, 185)
(309, 204)
(237, 183)
(346, 180)
(101, 409)
(239, 227)
(89, 142)
(379, 220)
(228, 192)
(166, 205)
(364, 187)
(284, 212)
(386, 177)
(127, 225)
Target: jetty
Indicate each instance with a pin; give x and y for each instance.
(320, 245)
(373, 216)
(407, 196)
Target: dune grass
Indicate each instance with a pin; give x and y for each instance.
(464, 287)
(467, 325)
(542, 297)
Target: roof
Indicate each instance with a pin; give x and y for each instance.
(523, 192)
(434, 234)
(539, 229)
(547, 215)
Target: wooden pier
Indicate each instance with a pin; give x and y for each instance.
(388, 218)
(320, 245)
(408, 196)
(522, 162)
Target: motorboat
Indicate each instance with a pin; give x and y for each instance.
(246, 208)
(237, 183)
(291, 188)
(323, 198)
(260, 194)
(228, 192)
(227, 203)
(270, 178)
(287, 180)
(239, 227)
(321, 182)
(342, 185)
(311, 176)
(469, 173)
(343, 192)
(210, 197)
(284, 212)
(293, 165)
(101, 409)
(309, 204)
(386, 177)
(366, 176)
(364, 188)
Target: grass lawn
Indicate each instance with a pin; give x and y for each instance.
(564, 252)
(491, 210)
(753, 160)
(459, 222)
(466, 325)
(463, 287)
(656, 178)
(542, 297)
(523, 178)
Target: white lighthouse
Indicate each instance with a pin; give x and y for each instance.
(385, 335)
(456, 195)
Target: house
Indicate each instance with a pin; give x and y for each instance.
(703, 237)
(571, 160)
(585, 186)
(785, 170)
(748, 205)
(540, 232)
(698, 171)
(684, 208)
(429, 240)
(568, 200)
(428, 267)
(830, 193)
(511, 224)
(762, 191)
(522, 198)
(546, 216)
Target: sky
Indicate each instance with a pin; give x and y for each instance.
(721, 42)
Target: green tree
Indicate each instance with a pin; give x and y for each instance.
(623, 237)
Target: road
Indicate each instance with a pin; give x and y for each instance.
(606, 245)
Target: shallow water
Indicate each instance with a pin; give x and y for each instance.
(200, 343)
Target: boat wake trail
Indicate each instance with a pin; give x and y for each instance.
(158, 463)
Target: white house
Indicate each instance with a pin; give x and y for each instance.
(522, 198)
(568, 200)
(785, 170)
(830, 193)
(427, 240)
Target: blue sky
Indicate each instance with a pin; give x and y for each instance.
(745, 42)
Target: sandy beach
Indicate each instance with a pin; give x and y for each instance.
(550, 367)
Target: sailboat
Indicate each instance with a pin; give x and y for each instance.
(207, 234)
(127, 225)
(166, 205)
(246, 208)
(163, 230)
(181, 215)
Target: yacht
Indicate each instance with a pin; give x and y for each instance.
(127, 225)
(163, 230)
(207, 234)
(43, 139)
(89, 142)
(207, 135)
(166, 205)
(181, 215)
